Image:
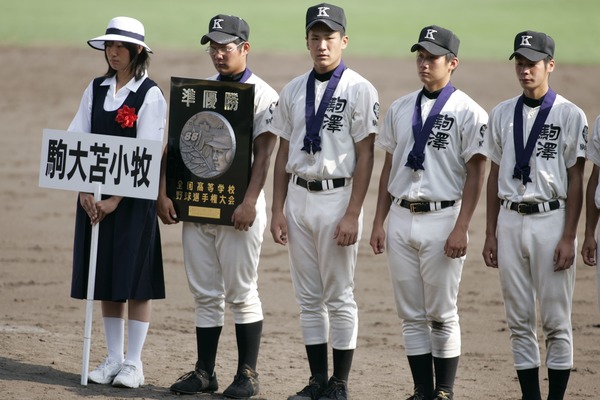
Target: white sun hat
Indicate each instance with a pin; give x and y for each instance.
(121, 29)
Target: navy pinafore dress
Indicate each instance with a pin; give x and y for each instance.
(129, 264)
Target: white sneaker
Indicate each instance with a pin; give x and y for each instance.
(105, 372)
(130, 376)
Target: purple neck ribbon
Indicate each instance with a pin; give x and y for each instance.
(312, 139)
(421, 131)
(523, 153)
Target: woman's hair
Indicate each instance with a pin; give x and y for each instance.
(138, 63)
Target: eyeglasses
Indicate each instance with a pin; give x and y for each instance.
(222, 50)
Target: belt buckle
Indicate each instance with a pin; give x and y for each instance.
(309, 184)
(414, 208)
(523, 208)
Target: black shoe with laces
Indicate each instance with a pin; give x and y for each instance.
(443, 395)
(313, 391)
(336, 389)
(196, 381)
(244, 385)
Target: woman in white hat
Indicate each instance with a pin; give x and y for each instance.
(129, 271)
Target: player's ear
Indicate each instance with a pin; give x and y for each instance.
(454, 63)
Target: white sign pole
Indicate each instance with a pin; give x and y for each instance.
(89, 308)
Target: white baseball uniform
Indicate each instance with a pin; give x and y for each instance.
(323, 272)
(593, 154)
(526, 242)
(221, 262)
(426, 281)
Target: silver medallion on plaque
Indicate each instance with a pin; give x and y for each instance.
(207, 144)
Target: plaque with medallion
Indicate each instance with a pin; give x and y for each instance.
(209, 148)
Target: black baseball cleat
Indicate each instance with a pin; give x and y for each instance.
(196, 381)
(313, 391)
(336, 389)
(443, 395)
(244, 385)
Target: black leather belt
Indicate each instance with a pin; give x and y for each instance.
(424, 206)
(317, 186)
(531, 208)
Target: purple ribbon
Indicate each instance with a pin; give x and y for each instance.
(245, 76)
(117, 31)
(312, 139)
(421, 131)
(523, 153)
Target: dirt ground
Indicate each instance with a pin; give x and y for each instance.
(41, 327)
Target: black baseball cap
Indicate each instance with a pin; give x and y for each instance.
(330, 15)
(224, 29)
(534, 46)
(437, 40)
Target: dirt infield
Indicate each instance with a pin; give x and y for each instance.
(41, 327)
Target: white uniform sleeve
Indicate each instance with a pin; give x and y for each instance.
(152, 116)
(263, 108)
(281, 124)
(365, 118)
(82, 120)
(492, 143)
(593, 148)
(473, 130)
(386, 139)
(576, 123)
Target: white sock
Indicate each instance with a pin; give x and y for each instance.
(137, 331)
(114, 330)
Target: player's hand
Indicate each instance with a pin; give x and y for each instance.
(105, 207)
(377, 241)
(166, 210)
(490, 251)
(88, 203)
(279, 228)
(564, 254)
(243, 216)
(346, 232)
(456, 244)
(588, 251)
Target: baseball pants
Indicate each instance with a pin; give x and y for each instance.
(322, 272)
(526, 246)
(424, 280)
(221, 264)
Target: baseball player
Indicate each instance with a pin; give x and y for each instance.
(221, 262)
(590, 248)
(430, 183)
(326, 120)
(537, 145)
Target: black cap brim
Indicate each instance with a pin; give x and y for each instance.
(431, 48)
(531, 55)
(218, 37)
(334, 26)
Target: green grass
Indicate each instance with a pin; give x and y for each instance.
(381, 28)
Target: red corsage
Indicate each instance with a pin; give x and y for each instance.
(126, 116)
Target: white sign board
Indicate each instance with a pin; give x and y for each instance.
(79, 161)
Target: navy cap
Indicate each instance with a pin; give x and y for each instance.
(534, 46)
(437, 40)
(332, 16)
(224, 29)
